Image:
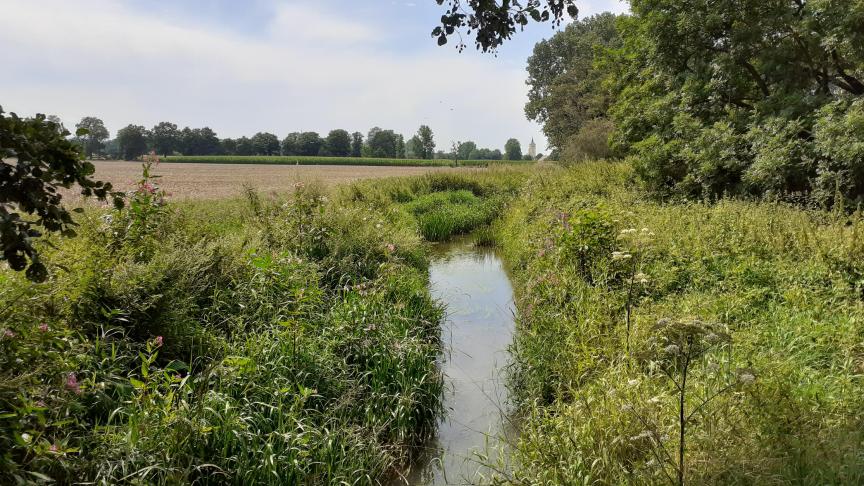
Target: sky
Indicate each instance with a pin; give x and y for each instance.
(276, 66)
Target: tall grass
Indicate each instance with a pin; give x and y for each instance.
(259, 340)
(312, 160)
(778, 403)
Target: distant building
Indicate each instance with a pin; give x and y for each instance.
(532, 149)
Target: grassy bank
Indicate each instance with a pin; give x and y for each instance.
(286, 340)
(745, 337)
(300, 160)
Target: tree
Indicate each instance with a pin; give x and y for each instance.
(245, 147)
(199, 141)
(229, 146)
(291, 144)
(382, 143)
(45, 161)
(338, 143)
(513, 149)
(165, 138)
(413, 147)
(715, 101)
(356, 144)
(132, 141)
(93, 136)
(309, 144)
(426, 147)
(566, 77)
(265, 144)
(400, 146)
(464, 150)
(493, 23)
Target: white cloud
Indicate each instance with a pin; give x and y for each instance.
(310, 70)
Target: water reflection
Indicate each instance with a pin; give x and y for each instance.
(473, 285)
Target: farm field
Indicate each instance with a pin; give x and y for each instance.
(304, 160)
(214, 181)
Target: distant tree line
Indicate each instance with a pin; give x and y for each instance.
(166, 138)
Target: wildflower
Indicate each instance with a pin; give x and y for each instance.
(641, 278)
(26, 437)
(391, 247)
(655, 400)
(40, 404)
(43, 327)
(746, 378)
(645, 434)
(620, 255)
(54, 449)
(7, 333)
(158, 341)
(672, 349)
(633, 382)
(378, 226)
(72, 384)
(628, 231)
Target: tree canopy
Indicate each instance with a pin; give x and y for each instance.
(513, 150)
(132, 140)
(94, 134)
(44, 161)
(492, 22)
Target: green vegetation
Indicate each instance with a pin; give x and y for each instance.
(757, 304)
(289, 339)
(303, 160)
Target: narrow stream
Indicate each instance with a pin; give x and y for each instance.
(476, 291)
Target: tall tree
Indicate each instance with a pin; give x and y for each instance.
(264, 143)
(566, 77)
(356, 144)
(338, 143)
(464, 149)
(382, 143)
(426, 150)
(165, 138)
(200, 141)
(291, 144)
(229, 146)
(93, 134)
(513, 150)
(413, 147)
(309, 144)
(741, 97)
(132, 141)
(244, 146)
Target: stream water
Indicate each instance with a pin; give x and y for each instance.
(472, 284)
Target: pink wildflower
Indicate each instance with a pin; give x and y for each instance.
(391, 247)
(40, 404)
(158, 341)
(72, 384)
(7, 333)
(43, 327)
(54, 449)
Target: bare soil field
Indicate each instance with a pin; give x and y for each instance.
(216, 181)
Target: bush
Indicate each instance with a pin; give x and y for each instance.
(591, 142)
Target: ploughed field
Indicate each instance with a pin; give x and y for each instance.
(215, 181)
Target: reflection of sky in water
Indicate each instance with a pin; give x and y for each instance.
(474, 287)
